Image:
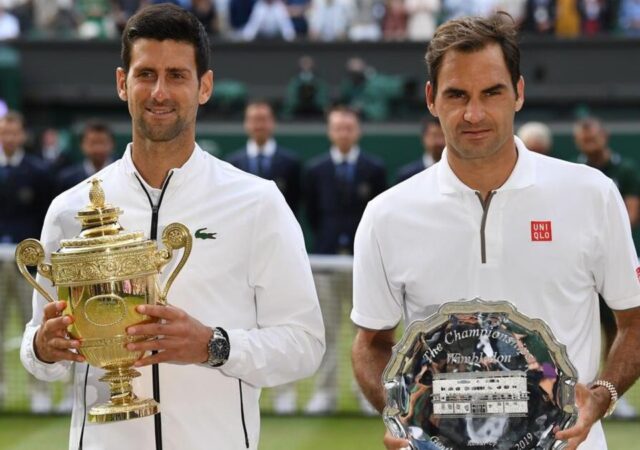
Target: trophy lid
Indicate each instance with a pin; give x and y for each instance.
(100, 226)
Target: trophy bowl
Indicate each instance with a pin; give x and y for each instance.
(479, 375)
(103, 275)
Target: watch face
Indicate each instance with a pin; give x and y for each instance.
(218, 349)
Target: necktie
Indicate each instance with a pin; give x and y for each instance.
(260, 165)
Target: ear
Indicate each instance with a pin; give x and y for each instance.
(429, 95)
(206, 87)
(121, 83)
(520, 94)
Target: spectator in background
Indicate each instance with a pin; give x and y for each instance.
(298, 10)
(423, 15)
(330, 19)
(122, 10)
(591, 139)
(238, 16)
(205, 11)
(97, 144)
(629, 19)
(353, 87)
(365, 25)
(306, 93)
(540, 17)
(394, 22)
(9, 25)
(433, 144)
(269, 20)
(263, 157)
(536, 136)
(594, 15)
(567, 18)
(338, 186)
(52, 151)
(25, 193)
(95, 20)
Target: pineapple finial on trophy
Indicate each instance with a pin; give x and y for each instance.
(96, 194)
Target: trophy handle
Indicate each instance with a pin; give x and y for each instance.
(174, 236)
(30, 253)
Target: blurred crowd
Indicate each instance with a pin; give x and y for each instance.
(319, 20)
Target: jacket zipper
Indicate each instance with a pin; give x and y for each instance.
(244, 423)
(485, 209)
(155, 370)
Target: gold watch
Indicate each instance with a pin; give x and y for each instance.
(612, 391)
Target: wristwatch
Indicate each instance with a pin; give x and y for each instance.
(612, 391)
(218, 348)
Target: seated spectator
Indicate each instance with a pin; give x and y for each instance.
(97, 144)
(536, 136)
(594, 14)
(330, 19)
(9, 25)
(239, 12)
(95, 19)
(365, 25)
(540, 16)
(207, 14)
(353, 86)
(567, 21)
(394, 22)
(629, 19)
(452, 9)
(423, 16)
(306, 93)
(269, 20)
(298, 10)
(433, 144)
(53, 151)
(122, 10)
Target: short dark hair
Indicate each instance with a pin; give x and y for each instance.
(96, 126)
(344, 110)
(259, 102)
(471, 34)
(428, 121)
(13, 116)
(162, 22)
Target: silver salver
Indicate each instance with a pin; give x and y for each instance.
(479, 375)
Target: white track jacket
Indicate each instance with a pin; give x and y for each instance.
(253, 279)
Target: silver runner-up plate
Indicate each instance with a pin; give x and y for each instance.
(479, 375)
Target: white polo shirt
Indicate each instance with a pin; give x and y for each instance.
(555, 235)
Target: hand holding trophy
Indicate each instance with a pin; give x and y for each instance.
(103, 275)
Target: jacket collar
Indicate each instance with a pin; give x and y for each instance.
(522, 176)
(268, 149)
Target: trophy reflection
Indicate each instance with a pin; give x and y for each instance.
(103, 275)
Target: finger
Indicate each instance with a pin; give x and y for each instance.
(161, 312)
(57, 324)
(394, 443)
(154, 359)
(66, 355)
(59, 343)
(152, 329)
(152, 344)
(54, 309)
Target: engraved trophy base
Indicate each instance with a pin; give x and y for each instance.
(124, 404)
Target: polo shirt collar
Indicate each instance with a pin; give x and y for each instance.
(180, 174)
(338, 157)
(14, 160)
(268, 149)
(522, 176)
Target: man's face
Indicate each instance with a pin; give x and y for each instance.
(344, 130)
(476, 103)
(162, 89)
(590, 139)
(433, 141)
(97, 146)
(12, 136)
(259, 123)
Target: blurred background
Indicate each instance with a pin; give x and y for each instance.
(279, 66)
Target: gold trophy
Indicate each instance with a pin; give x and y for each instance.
(103, 274)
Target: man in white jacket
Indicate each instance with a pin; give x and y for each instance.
(244, 313)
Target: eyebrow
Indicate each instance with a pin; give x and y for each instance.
(494, 88)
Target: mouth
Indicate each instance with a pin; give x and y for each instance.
(476, 134)
(160, 112)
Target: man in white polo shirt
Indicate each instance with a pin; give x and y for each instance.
(496, 221)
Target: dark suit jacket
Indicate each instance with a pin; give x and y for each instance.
(70, 176)
(407, 171)
(333, 210)
(285, 171)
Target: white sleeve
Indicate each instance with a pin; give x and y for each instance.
(286, 26)
(288, 343)
(251, 28)
(617, 272)
(50, 239)
(377, 303)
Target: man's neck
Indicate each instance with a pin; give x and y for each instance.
(154, 160)
(600, 159)
(484, 174)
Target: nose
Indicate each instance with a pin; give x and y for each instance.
(474, 111)
(159, 92)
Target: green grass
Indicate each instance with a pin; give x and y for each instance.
(23, 432)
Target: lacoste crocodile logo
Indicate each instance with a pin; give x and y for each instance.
(201, 235)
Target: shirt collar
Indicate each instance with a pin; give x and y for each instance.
(14, 160)
(351, 157)
(268, 149)
(179, 173)
(522, 176)
(427, 160)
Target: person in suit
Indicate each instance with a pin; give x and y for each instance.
(433, 144)
(338, 187)
(262, 156)
(97, 143)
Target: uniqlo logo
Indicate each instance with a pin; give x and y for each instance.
(541, 230)
(638, 272)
